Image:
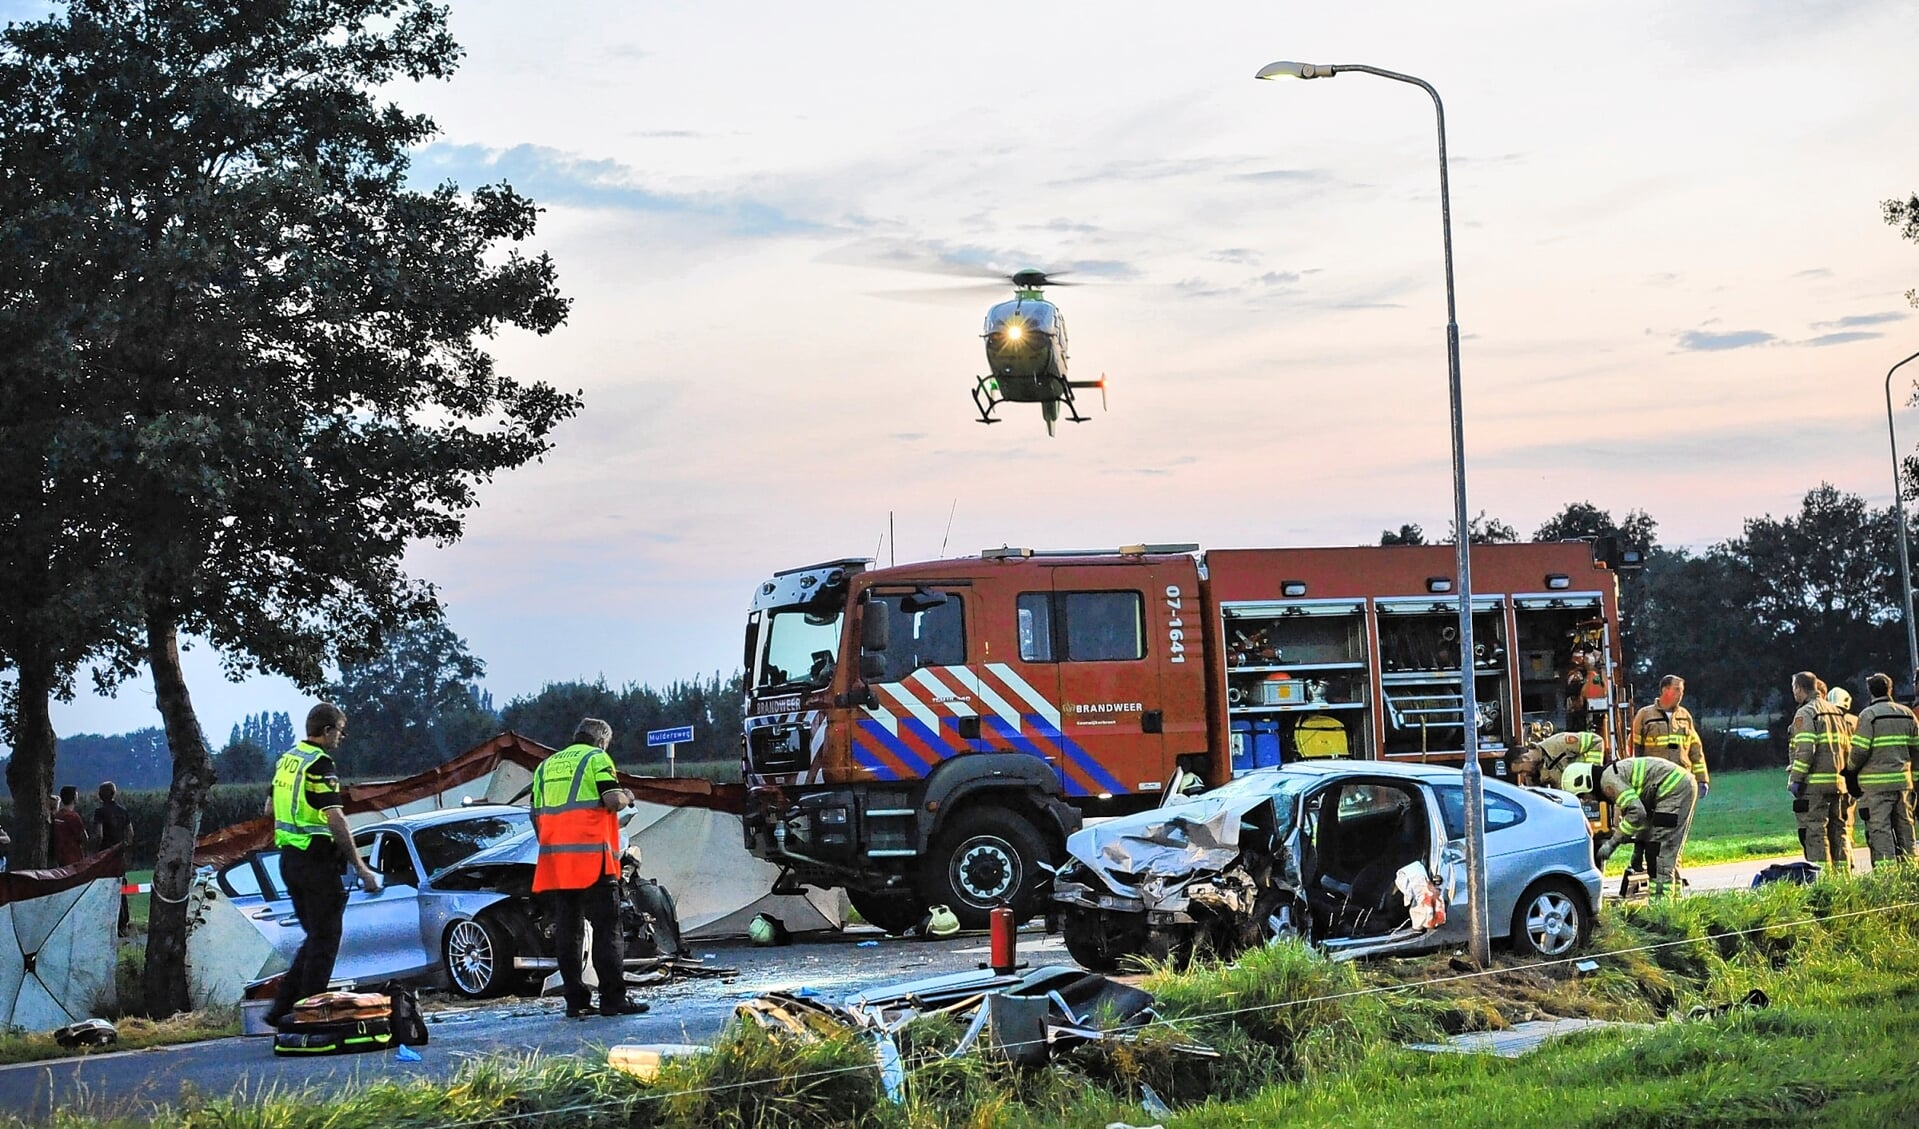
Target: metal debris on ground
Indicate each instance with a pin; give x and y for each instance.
(1751, 1001)
(1026, 1018)
(1519, 1038)
(87, 1033)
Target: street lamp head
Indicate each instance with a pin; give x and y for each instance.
(1296, 70)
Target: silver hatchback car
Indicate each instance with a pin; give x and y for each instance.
(1363, 858)
(427, 922)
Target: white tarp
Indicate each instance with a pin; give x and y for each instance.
(225, 951)
(700, 857)
(57, 955)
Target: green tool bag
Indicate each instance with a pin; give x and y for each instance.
(334, 1037)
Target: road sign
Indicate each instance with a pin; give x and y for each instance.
(678, 736)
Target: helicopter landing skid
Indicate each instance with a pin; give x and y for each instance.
(984, 401)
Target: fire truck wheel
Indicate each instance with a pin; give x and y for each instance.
(890, 910)
(985, 858)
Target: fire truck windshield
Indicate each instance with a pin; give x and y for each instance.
(802, 647)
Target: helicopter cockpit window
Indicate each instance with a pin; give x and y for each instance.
(802, 648)
(923, 636)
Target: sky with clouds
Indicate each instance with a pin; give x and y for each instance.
(1675, 289)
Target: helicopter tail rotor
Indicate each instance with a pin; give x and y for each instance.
(1099, 384)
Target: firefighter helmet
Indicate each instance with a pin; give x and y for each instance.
(1839, 696)
(1577, 778)
(942, 922)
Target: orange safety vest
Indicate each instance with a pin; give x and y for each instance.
(579, 838)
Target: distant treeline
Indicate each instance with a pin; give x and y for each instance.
(711, 705)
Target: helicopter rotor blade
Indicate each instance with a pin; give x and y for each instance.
(890, 254)
(942, 295)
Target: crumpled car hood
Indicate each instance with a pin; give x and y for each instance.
(1156, 854)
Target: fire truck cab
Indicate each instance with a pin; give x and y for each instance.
(931, 733)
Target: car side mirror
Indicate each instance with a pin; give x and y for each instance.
(872, 667)
(875, 627)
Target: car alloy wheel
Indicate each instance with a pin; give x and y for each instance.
(472, 962)
(1553, 922)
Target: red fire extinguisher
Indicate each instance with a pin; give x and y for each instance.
(1004, 940)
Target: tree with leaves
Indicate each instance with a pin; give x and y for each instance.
(1904, 215)
(1583, 521)
(1824, 585)
(413, 705)
(280, 340)
(242, 761)
(1408, 534)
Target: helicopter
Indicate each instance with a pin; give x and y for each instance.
(1026, 355)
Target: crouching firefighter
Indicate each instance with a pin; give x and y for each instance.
(1543, 760)
(1652, 800)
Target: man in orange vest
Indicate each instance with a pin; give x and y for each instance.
(576, 798)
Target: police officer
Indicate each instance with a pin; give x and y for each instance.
(1652, 801)
(576, 798)
(315, 843)
(1883, 745)
(1819, 747)
(1665, 729)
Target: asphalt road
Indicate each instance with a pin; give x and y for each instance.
(685, 1010)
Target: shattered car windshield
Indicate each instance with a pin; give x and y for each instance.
(444, 844)
(802, 647)
(1277, 784)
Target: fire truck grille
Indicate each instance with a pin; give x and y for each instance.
(778, 748)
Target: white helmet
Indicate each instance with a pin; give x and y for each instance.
(1577, 778)
(1839, 697)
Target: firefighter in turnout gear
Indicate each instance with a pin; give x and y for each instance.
(1652, 801)
(1543, 760)
(1879, 772)
(1816, 780)
(1665, 729)
(316, 845)
(576, 801)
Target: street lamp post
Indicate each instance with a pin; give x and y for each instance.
(1475, 814)
(1905, 553)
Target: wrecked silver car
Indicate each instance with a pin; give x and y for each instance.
(1363, 858)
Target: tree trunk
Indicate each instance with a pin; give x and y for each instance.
(165, 985)
(30, 770)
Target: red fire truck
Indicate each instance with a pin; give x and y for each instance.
(930, 733)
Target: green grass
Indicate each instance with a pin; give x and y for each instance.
(1745, 815)
(138, 904)
(135, 1032)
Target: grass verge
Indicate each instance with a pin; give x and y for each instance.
(1308, 1042)
(135, 1033)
